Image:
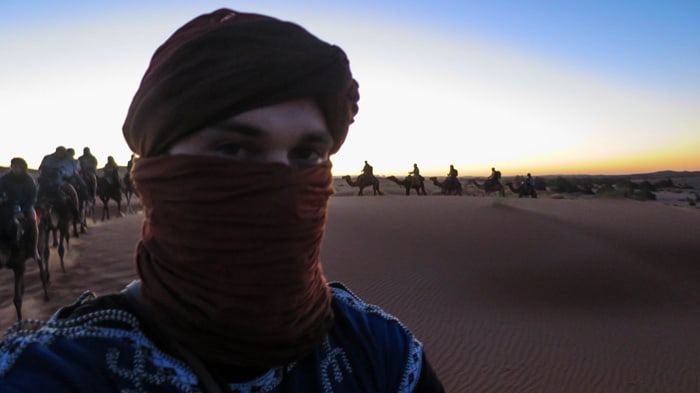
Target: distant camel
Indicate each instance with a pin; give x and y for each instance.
(449, 186)
(129, 191)
(83, 192)
(109, 189)
(523, 191)
(16, 247)
(410, 182)
(90, 179)
(490, 186)
(54, 217)
(364, 180)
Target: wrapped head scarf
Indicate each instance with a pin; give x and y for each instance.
(231, 267)
(224, 63)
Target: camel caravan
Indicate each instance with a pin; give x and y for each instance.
(414, 183)
(43, 210)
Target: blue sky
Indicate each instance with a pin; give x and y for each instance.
(527, 86)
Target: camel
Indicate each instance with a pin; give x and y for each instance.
(51, 186)
(523, 190)
(83, 192)
(109, 189)
(54, 218)
(129, 191)
(364, 180)
(16, 247)
(449, 186)
(490, 186)
(410, 182)
(90, 179)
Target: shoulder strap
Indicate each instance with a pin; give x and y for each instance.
(132, 293)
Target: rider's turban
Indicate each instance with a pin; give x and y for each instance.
(224, 63)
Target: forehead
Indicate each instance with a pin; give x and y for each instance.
(302, 114)
(282, 126)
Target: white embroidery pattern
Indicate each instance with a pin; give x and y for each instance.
(414, 360)
(266, 383)
(167, 370)
(335, 357)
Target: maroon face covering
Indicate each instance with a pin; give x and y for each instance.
(229, 257)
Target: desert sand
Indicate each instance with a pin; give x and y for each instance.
(507, 294)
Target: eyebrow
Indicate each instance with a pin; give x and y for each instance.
(312, 136)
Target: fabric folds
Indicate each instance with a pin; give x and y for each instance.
(224, 63)
(229, 257)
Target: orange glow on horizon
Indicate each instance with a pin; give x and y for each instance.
(684, 157)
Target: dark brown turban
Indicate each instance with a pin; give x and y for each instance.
(224, 63)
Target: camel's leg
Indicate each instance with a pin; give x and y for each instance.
(83, 218)
(92, 211)
(62, 251)
(44, 251)
(55, 237)
(44, 277)
(129, 209)
(19, 289)
(75, 227)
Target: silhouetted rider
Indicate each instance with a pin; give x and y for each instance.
(54, 172)
(18, 188)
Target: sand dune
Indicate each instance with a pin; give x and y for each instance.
(508, 295)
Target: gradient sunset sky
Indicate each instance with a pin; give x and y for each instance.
(548, 87)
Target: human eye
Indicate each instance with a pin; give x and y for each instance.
(235, 150)
(305, 157)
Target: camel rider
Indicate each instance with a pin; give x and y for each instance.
(130, 163)
(76, 179)
(54, 171)
(529, 182)
(19, 189)
(88, 162)
(111, 171)
(452, 175)
(416, 172)
(367, 170)
(495, 176)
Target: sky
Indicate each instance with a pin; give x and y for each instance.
(548, 87)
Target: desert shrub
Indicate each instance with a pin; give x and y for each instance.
(643, 191)
(585, 186)
(668, 183)
(612, 191)
(562, 184)
(641, 194)
(692, 201)
(540, 184)
(627, 189)
(646, 185)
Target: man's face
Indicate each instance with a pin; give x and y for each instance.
(293, 133)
